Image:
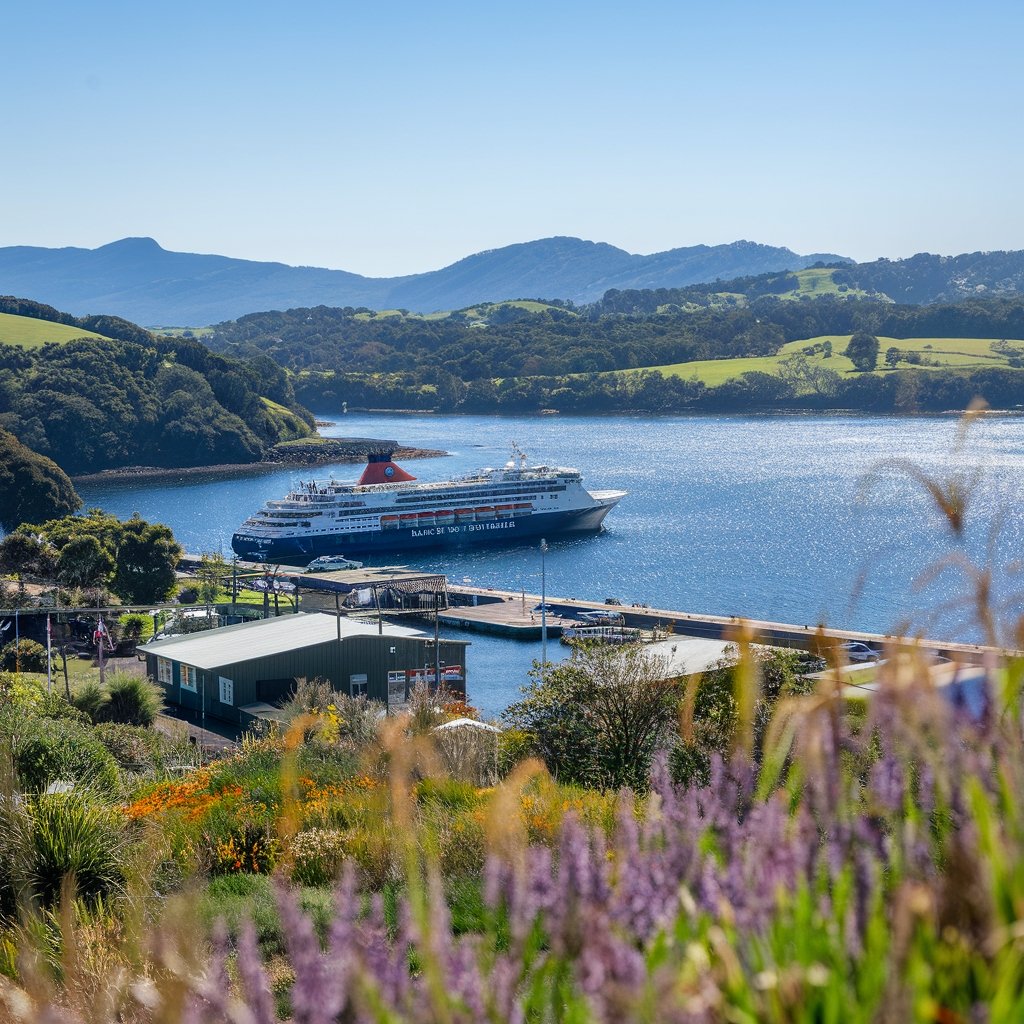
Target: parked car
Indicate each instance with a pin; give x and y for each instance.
(329, 563)
(538, 608)
(854, 650)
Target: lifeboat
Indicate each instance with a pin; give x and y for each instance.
(484, 513)
(522, 509)
(444, 517)
(389, 522)
(465, 515)
(504, 511)
(408, 519)
(425, 519)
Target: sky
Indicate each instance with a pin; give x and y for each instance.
(391, 138)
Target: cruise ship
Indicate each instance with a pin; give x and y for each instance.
(388, 510)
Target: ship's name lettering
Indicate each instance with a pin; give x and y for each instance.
(440, 531)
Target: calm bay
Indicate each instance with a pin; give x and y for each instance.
(799, 519)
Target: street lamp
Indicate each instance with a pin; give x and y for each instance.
(543, 611)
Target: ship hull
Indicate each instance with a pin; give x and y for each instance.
(301, 549)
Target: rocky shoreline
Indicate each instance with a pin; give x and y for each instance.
(316, 452)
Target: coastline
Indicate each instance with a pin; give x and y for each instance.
(316, 454)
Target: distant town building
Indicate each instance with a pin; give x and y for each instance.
(236, 673)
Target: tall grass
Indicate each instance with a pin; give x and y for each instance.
(852, 859)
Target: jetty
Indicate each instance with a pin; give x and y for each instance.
(513, 614)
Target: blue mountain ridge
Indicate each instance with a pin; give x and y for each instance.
(137, 279)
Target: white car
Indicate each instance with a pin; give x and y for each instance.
(328, 563)
(854, 650)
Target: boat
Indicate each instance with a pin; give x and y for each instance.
(388, 510)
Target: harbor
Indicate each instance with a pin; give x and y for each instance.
(514, 615)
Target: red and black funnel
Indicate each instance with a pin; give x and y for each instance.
(381, 470)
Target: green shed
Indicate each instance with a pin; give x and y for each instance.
(235, 672)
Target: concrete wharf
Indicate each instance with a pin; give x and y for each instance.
(510, 613)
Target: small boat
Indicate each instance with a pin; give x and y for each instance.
(521, 509)
(484, 513)
(389, 522)
(504, 511)
(425, 519)
(465, 515)
(445, 517)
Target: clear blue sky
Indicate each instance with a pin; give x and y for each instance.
(392, 138)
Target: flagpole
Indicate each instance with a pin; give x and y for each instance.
(49, 655)
(99, 634)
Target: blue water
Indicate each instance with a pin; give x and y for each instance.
(788, 518)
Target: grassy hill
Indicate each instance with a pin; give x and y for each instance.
(28, 332)
(477, 316)
(948, 353)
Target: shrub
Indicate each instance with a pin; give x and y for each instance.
(23, 655)
(134, 747)
(90, 700)
(317, 856)
(132, 700)
(71, 834)
(46, 750)
(135, 625)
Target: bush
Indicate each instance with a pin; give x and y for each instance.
(73, 835)
(90, 700)
(134, 747)
(132, 700)
(48, 750)
(135, 625)
(23, 655)
(317, 856)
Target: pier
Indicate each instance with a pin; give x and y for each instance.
(510, 614)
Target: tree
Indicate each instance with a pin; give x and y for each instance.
(32, 488)
(862, 351)
(136, 559)
(598, 719)
(209, 577)
(892, 357)
(84, 562)
(27, 553)
(146, 558)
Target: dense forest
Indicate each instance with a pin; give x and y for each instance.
(530, 356)
(625, 330)
(32, 488)
(93, 404)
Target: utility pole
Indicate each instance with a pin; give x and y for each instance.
(543, 611)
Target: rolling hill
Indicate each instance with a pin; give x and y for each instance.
(137, 279)
(30, 332)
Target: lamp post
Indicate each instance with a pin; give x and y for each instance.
(543, 611)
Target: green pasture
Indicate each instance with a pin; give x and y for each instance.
(819, 282)
(28, 332)
(948, 353)
(181, 332)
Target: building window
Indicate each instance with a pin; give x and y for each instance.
(163, 671)
(357, 684)
(189, 678)
(227, 691)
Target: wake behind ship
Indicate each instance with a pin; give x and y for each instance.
(387, 510)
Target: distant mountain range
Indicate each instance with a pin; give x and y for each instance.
(137, 279)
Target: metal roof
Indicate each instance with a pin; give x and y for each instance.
(346, 580)
(265, 637)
